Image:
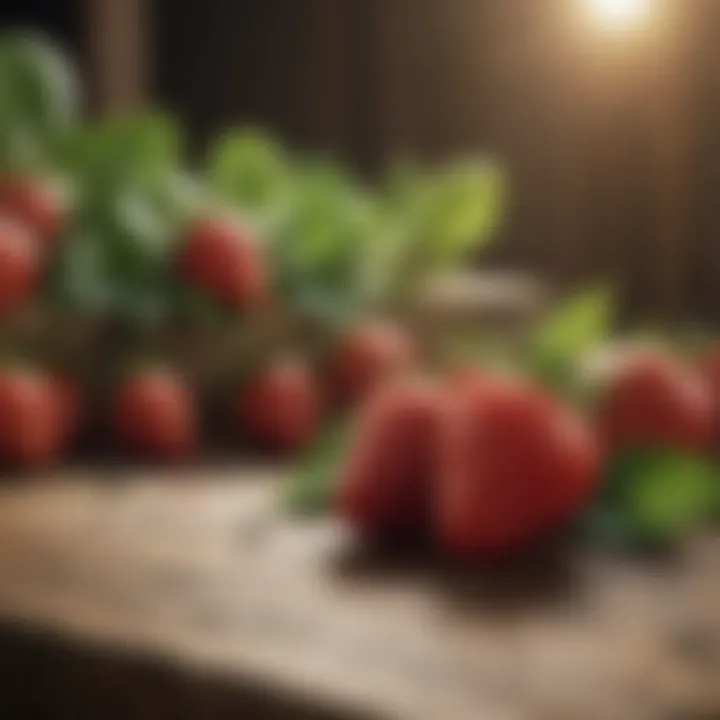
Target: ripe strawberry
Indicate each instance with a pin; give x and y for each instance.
(222, 258)
(515, 464)
(280, 407)
(364, 358)
(30, 425)
(154, 414)
(36, 204)
(654, 401)
(20, 266)
(387, 479)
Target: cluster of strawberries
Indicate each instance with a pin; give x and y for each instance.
(153, 412)
(483, 461)
(486, 464)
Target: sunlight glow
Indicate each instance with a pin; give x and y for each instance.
(619, 14)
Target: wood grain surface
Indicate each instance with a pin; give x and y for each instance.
(200, 571)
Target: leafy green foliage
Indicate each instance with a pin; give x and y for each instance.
(39, 99)
(309, 489)
(653, 497)
(338, 249)
(131, 199)
(578, 325)
(321, 247)
(249, 169)
(464, 205)
(439, 218)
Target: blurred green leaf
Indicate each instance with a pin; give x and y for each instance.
(329, 213)
(573, 328)
(321, 248)
(144, 146)
(671, 494)
(653, 497)
(39, 98)
(435, 220)
(578, 324)
(309, 489)
(132, 198)
(249, 168)
(464, 208)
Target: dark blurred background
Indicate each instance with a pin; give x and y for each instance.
(610, 132)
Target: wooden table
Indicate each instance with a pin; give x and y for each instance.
(190, 595)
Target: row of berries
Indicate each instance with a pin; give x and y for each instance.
(487, 464)
(154, 413)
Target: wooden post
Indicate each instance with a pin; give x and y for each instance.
(117, 33)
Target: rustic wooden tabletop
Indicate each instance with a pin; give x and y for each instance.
(190, 594)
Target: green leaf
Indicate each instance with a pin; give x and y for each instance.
(573, 328)
(309, 490)
(653, 497)
(144, 146)
(434, 221)
(671, 495)
(39, 98)
(464, 210)
(322, 249)
(576, 325)
(249, 169)
(131, 201)
(329, 216)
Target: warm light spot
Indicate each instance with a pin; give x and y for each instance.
(619, 14)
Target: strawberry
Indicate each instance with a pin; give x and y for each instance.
(364, 358)
(223, 259)
(34, 203)
(386, 482)
(653, 400)
(20, 266)
(515, 464)
(31, 433)
(154, 414)
(280, 407)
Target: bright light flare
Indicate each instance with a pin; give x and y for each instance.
(619, 14)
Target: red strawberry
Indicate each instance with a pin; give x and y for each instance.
(154, 415)
(387, 479)
(515, 464)
(36, 204)
(30, 425)
(364, 358)
(222, 258)
(280, 407)
(654, 401)
(20, 266)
